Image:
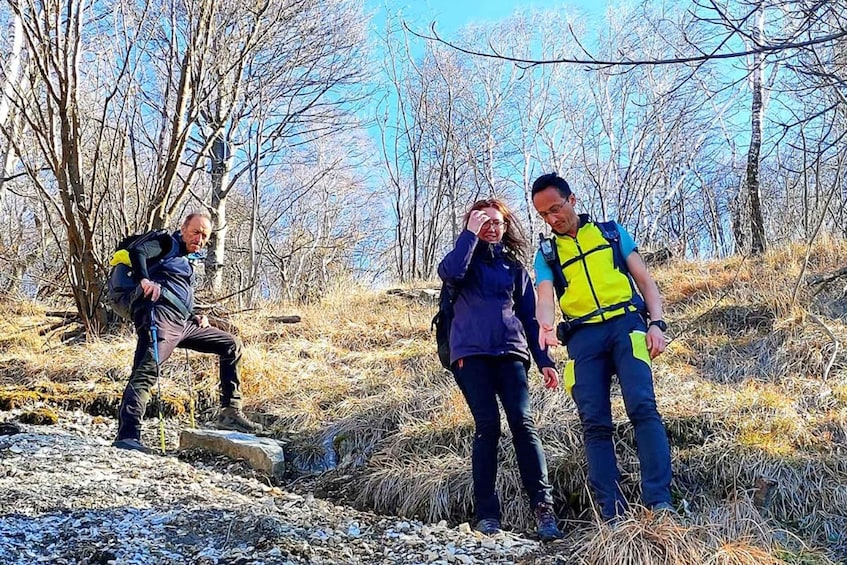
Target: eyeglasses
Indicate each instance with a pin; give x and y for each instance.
(496, 224)
(553, 210)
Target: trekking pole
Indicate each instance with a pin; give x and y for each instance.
(190, 390)
(154, 335)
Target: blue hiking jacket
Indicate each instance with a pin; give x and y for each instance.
(165, 261)
(494, 305)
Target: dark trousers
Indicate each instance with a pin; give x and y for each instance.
(172, 334)
(482, 379)
(598, 352)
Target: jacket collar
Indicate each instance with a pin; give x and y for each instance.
(489, 251)
(183, 250)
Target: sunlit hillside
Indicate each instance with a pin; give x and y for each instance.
(753, 390)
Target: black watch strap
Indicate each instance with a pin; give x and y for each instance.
(659, 324)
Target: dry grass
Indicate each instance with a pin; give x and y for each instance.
(357, 383)
(644, 538)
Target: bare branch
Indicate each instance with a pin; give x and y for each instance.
(597, 63)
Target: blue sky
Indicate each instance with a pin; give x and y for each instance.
(450, 15)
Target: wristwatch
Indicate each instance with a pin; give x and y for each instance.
(659, 324)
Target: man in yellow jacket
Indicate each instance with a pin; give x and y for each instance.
(607, 333)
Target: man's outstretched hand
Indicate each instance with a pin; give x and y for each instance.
(547, 336)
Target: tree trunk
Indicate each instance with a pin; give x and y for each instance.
(221, 164)
(10, 127)
(11, 72)
(757, 223)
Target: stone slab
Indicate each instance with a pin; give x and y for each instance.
(261, 453)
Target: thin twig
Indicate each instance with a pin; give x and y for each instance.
(236, 293)
(835, 344)
(594, 62)
(228, 533)
(809, 246)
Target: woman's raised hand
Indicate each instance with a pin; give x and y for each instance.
(476, 220)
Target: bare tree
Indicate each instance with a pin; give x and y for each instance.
(85, 63)
(270, 70)
(66, 137)
(757, 222)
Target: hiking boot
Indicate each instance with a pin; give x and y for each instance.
(664, 508)
(133, 444)
(9, 429)
(234, 419)
(545, 520)
(489, 526)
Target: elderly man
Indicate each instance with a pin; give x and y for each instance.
(161, 267)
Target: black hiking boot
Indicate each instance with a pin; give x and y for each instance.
(234, 419)
(489, 526)
(133, 444)
(9, 429)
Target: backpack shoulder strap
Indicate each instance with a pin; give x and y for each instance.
(547, 246)
(610, 232)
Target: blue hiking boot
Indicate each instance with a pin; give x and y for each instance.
(545, 520)
(664, 508)
(133, 444)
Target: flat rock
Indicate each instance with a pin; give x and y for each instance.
(261, 453)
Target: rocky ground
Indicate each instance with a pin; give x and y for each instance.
(67, 496)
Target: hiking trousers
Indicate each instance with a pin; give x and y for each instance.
(482, 379)
(598, 351)
(172, 334)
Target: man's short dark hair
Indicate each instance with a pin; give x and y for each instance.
(551, 179)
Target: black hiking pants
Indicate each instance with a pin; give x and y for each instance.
(173, 333)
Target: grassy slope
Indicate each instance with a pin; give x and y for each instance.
(758, 434)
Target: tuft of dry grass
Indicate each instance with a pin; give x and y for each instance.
(395, 486)
(40, 416)
(643, 538)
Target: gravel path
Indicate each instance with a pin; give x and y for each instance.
(67, 496)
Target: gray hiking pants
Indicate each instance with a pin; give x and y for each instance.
(173, 334)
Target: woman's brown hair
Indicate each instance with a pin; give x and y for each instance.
(514, 240)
